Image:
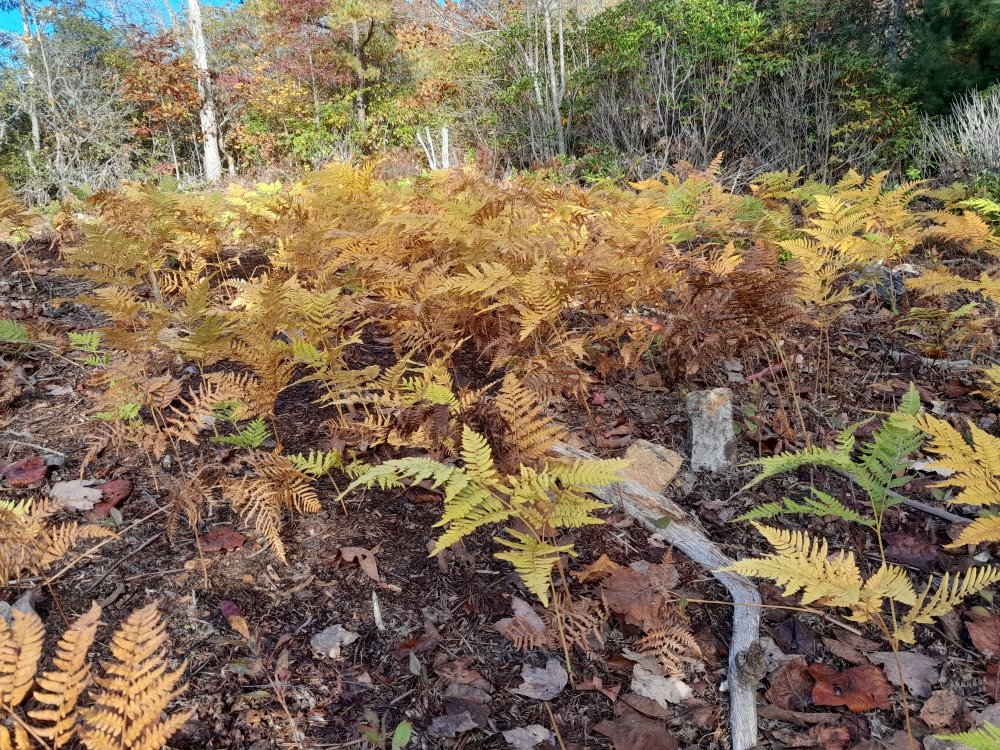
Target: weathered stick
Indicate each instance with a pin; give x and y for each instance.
(686, 533)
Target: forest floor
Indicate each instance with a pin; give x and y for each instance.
(426, 643)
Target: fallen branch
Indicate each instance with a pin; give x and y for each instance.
(686, 533)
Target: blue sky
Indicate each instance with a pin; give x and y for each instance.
(10, 20)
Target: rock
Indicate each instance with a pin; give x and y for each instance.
(24, 604)
(653, 465)
(710, 429)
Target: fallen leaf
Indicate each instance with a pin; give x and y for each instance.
(774, 657)
(525, 738)
(859, 688)
(77, 494)
(985, 635)
(612, 443)
(115, 491)
(221, 538)
(641, 598)
(802, 718)
(600, 569)
(457, 671)
(700, 713)
(907, 549)
(844, 651)
(654, 684)
(596, 683)
(792, 635)
(821, 735)
(329, 642)
(946, 712)
(469, 693)
(633, 731)
(233, 614)
(645, 705)
(791, 686)
(651, 382)
(920, 671)
(991, 714)
(364, 558)
(862, 644)
(24, 472)
(713, 650)
(992, 679)
(543, 684)
(452, 725)
(427, 642)
(598, 399)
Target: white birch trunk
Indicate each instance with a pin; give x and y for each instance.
(209, 126)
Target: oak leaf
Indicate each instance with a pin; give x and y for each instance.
(641, 598)
(25, 472)
(859, 688)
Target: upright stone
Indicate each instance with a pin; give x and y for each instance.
(710, 429)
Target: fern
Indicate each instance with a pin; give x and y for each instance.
(249, 438)
(821, 504)
(804, 565)
(977, 472)
(12, 332)
(986, 737)
(85, 342)
(881, 468)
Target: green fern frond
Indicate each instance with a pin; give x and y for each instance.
(85, 342)
(250, 437)
(11, 331)
(985, 738)
(820, 505)
(318, 463)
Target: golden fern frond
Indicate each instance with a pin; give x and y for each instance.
(65, 686)
(950, 592)
(128, 710)
(802, 564)
(63, 538)
(257, 501)
(533, 560)
(578, 622)
(20, 650)
(976, 466)
(534, 435)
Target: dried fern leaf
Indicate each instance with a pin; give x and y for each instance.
(65, 686)
(20, 650)
(128, 710)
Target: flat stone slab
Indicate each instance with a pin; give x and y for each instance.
(653, 465)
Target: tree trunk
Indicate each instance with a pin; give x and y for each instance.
(209, 127)
(36, 131)
(358, 55)
(895, 28)
(555, 100)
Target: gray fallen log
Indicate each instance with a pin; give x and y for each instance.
(686, 533)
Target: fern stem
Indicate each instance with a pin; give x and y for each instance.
(555, 726)
(562, 633)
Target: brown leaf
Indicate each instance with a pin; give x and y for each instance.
(612, 443)
(595, 683)
(993, 681)
(645, 705)
(600, 569)
(363, 557)
(791, 685)
(427, 642)
(919, 671)
(25, 472)
(862, 644)
(543, 684)
(621, 430)
(633, 731)
(954, 388)
(221, 538)
(651, 382)
(821, 736)
(700, 713)
(845, 652)
(985, 635)
(112, 493)
(713, 650)
(946, 712)
(795, 637)
(457, 671)
(907, 549)
(859, 688)
(641, 598)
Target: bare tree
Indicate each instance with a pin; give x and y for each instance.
(209, 126)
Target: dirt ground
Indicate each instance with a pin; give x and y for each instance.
(462, 597)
